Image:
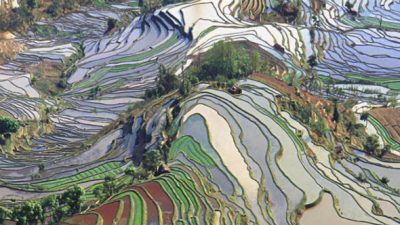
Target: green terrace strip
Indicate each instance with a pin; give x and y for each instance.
(391, 83)
(192, 150)
(384, 133)
(97, 173)
(138, 207)
(104, 71)
(208, 30)
(120, 181)
(370, 22)
(146, 54)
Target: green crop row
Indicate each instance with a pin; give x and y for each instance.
(192, 150)
(384, 133)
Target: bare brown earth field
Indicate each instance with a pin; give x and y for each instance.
(390, 119)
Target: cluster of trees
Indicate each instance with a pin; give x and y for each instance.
(371, 144)
(166, 82)
(308, 114)
(152, 160)
(107, 189)
(53, 207)
(111, 24)
(95, 91)
(17, 19)
(21, 18)
(8, 125)
(372, 147)
(224, 63)
(228, 60)
(150, 163)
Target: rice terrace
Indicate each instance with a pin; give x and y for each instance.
(201, 112)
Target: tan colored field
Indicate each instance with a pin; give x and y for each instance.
(325, 213)
(390, 119)
(9, 49)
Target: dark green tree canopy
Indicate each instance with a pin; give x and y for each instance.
(8, 125)
(371, 144)
(151, 160)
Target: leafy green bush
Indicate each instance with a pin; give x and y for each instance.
(8, 125)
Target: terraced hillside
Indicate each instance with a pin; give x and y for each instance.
(234, 159)
(220, 171)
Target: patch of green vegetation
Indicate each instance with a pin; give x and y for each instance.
(97, 173)
(133, 3)
(51, 209)
(192, 150)
(369, 22)
(21, 18)
(391, 83)
(51, 32)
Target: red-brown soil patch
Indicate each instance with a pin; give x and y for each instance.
(86, 219)
(162, 199)
(152, 212)
(126, 213)
(290, 91)
(390, 119)
(108, 212)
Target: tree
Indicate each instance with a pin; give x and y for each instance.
(8, 125)
(151, 160)
(320, 127)
(336, 115)
(30, 212)
(54, 9)
(59, 213)
(361, 177)
(51, 204)
(131, 172)
(226, 59)
(109, 186)
(32, 3)
(166, 81)
(371, 144)
(72, 198)
(256, 62)
(185, 87)
(70, 4)
(62, 84)
(385, 180)
(111, 24)
(349, 6)
(351, 129)
(94, 91)
(364, 116)
(312, 61)
(385, 150)
(99, 193)
(4, 214)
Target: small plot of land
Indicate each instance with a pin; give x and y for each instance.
(325, 213)
(9, 49)
(46, 77)
(390, 119)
